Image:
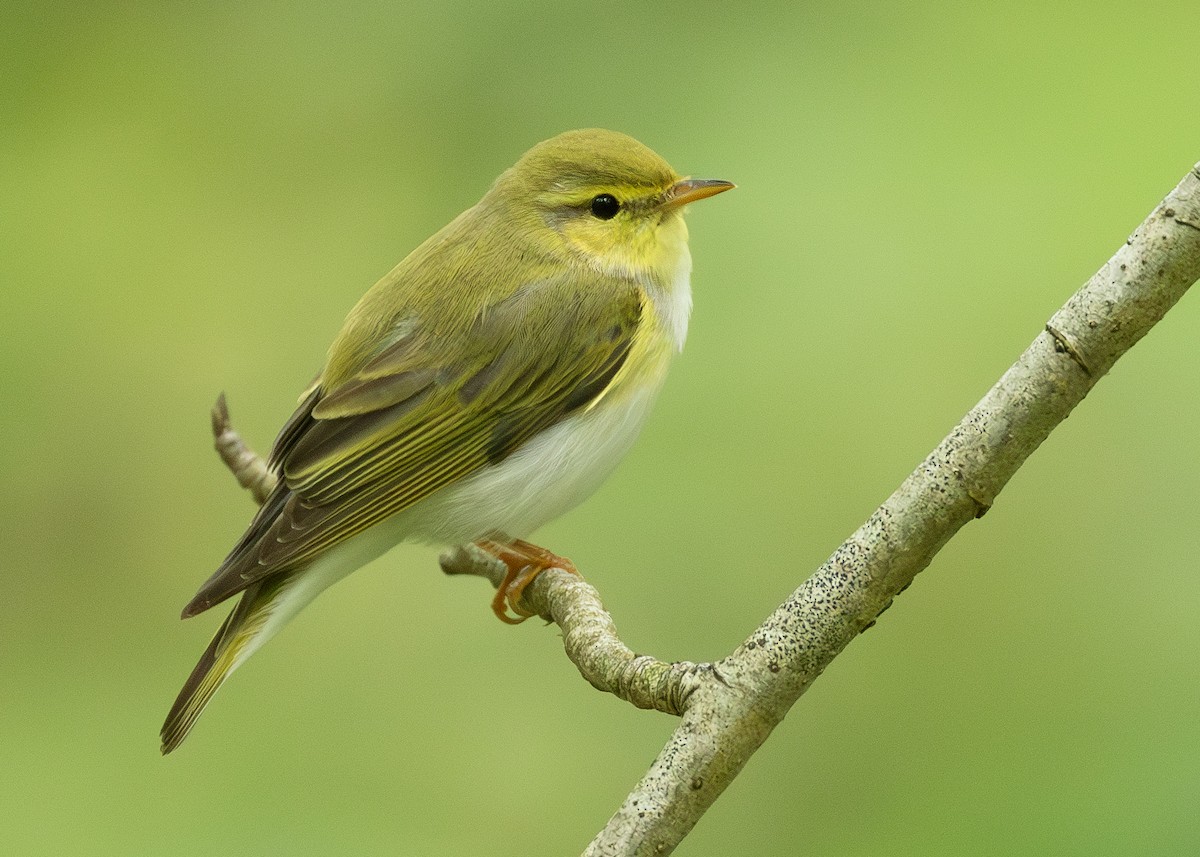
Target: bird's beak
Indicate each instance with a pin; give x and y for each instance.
(690, 190)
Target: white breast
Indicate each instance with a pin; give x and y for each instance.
(674, 303)
(552, 473)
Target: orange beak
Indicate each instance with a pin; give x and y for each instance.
(690, 190)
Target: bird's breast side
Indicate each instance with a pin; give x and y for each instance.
(558, 468)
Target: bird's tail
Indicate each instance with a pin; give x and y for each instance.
(263, 609)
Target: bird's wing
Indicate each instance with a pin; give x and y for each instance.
(425, 412)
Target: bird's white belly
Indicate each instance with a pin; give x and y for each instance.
(550, 474)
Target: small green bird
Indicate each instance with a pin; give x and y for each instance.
(490, 382)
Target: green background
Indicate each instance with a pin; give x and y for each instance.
(192, 197)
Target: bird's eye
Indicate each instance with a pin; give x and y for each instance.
(605, 206)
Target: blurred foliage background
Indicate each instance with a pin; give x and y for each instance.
(192, 197)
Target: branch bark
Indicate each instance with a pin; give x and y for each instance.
(725, 722)
(729, 708)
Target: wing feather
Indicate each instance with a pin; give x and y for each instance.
(425, 412)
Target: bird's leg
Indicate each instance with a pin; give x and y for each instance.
(524, 561)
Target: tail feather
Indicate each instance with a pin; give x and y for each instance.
(231, 645)
(265, 607)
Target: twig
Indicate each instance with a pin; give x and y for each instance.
(589, 635)
(251, 471)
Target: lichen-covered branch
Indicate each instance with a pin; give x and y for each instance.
(589, 636)
(726, 721)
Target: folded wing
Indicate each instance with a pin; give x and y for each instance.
(425, 411)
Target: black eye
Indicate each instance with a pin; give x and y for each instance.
(605, 206)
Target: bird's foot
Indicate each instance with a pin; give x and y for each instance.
(525, 561)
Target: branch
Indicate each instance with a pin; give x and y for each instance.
(729, 708)
(246, 465)
(589, 636)
(726, 722)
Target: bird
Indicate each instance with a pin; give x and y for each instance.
(487, 384)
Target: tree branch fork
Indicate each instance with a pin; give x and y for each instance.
(729, 708)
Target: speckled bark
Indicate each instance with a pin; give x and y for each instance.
(589, 635)
(725, 721)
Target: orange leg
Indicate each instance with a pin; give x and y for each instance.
(525, 561)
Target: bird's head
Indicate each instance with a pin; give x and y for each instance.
(605, 197)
